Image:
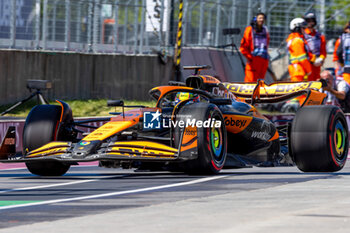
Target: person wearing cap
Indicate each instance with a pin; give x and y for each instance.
(343, 53)
(338, 91)
(300, 58)
(254, 46)
(317, 45)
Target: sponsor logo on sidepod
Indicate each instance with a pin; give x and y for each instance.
(261, 135)
(235, 123)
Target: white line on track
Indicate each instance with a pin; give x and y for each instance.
(57, 185)
(13, 169)
(116, 193)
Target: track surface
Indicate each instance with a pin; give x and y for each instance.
(88, 192)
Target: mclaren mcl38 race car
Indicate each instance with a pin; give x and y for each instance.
(199, 126)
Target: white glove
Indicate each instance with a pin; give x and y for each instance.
(318, 61)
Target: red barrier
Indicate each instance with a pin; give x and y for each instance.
(19, 124)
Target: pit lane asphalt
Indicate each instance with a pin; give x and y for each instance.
(91, 191)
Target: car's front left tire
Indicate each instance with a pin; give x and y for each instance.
(212, 141)
(41, 127)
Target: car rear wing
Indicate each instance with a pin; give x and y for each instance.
(261, 92)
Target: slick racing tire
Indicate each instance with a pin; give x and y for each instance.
(41, 127)
(212, 142)
(319, 139)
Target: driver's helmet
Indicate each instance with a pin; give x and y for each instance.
(181, 96)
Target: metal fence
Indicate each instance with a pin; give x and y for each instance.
(147, 26)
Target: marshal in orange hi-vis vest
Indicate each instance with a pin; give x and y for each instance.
(299, 58)
(254, 47)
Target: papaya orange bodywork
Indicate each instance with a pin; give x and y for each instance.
(314, 98)
(117, 124)
(189, 139)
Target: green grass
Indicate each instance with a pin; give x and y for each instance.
(81, 108)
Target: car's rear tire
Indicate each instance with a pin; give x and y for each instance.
(319, 139)
(41, 127)
(212, 142)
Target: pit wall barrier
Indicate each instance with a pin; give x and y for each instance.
(114, 76)
(225, 64)
(81, 76)
(19, 124)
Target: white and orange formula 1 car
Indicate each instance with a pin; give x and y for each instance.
(199, 126)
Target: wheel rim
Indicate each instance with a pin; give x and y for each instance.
(216, 141)
(339, 139)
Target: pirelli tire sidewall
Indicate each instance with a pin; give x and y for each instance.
(319, 139)
(212, 142)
